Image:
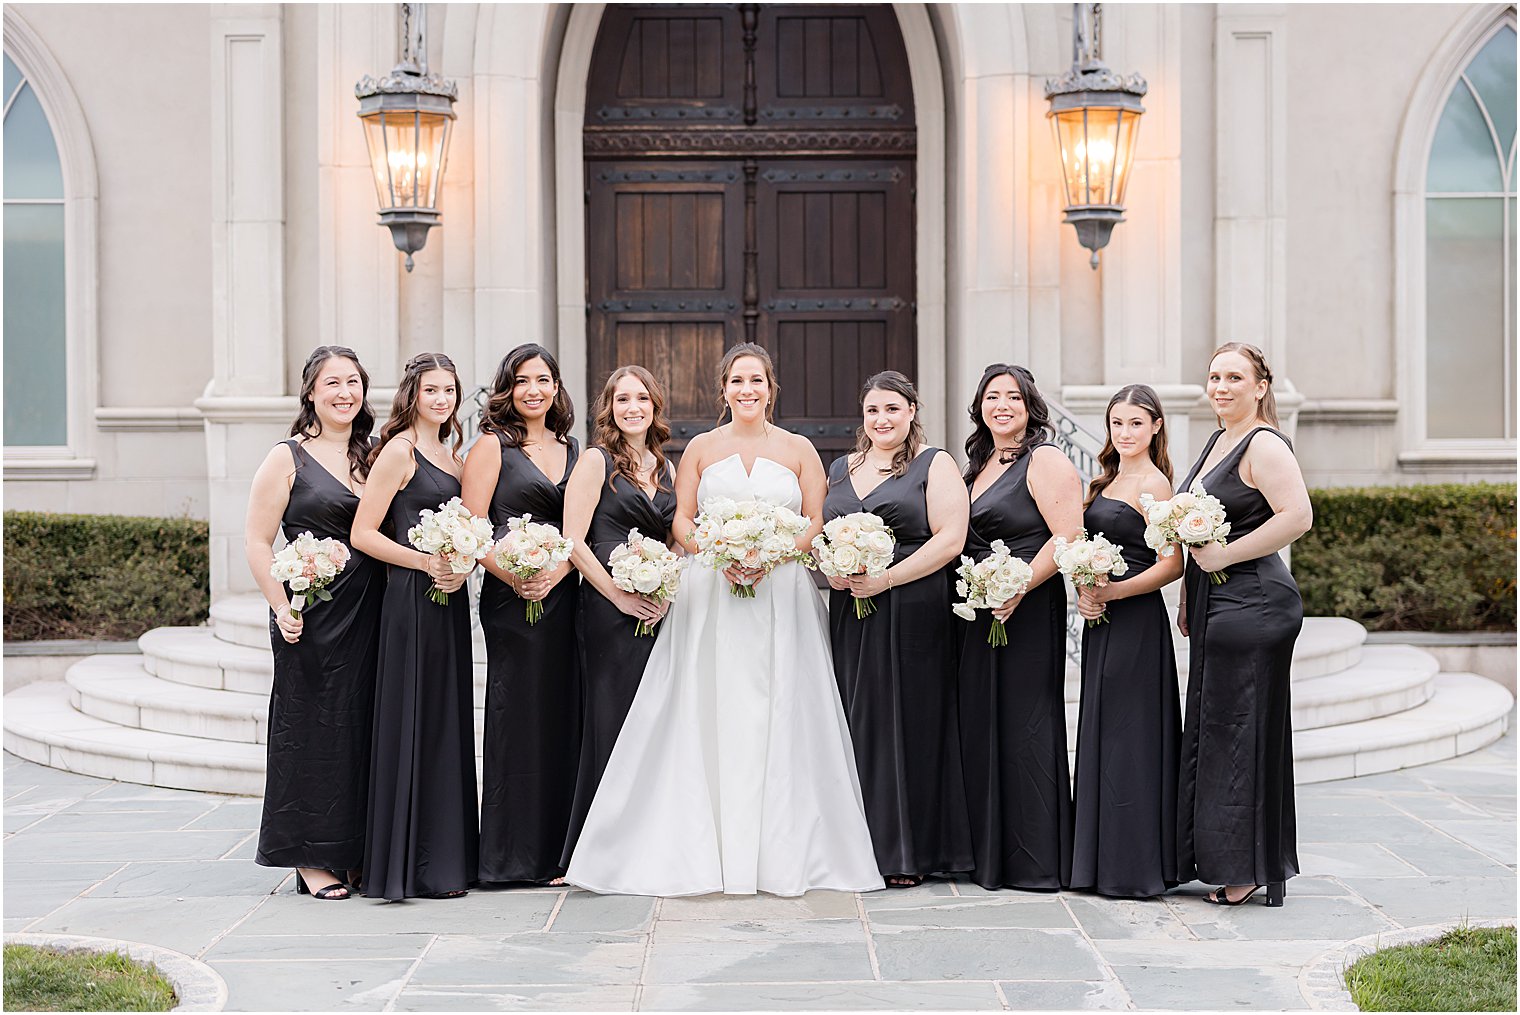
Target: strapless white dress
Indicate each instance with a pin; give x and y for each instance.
(733, 771)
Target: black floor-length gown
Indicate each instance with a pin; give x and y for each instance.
(316, 784)
(612, 657)
(533, 701)
(1013, 708)
(422, 824)
(1235, 817)
(896, 670)
(1128, 731)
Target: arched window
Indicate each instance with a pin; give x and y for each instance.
(36, 339)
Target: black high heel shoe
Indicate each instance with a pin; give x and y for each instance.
(1276, 892)
(328, 893)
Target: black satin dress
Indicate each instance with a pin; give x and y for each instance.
(1128, 731)
(422, 826)
(1235, 818)
(896, 675)
(612, 657)
(533, 698)
(316, 784)
(1013, 708)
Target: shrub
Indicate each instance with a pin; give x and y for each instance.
(1412, 558)
(102, 576)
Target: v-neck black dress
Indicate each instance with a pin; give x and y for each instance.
(316, 785)
(612, 657)
(422, 825)
(533, 702)
(1235, 816)
(896, 670)
(1128, 731)
(1013, 707)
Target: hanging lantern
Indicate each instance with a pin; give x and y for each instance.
(1096, 114)
(408, 117)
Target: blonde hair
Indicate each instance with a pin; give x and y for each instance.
(1266, 408)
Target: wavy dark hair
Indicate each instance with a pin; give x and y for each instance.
(897, 384)
(1266, 408)
(732, 356)
(404, 405)
(1037, 430)
(500, 415)
(606, 435)
(308, 424)
(1142, 396)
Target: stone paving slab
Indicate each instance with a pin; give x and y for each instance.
(175, 869)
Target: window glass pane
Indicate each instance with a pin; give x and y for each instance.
(36, 408)
(31, 159)
(1492, 73)
(1464, 306)
(1462, 157)
(12, 78)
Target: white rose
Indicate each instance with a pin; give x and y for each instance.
(1195, 527)
(536, 557)
(879, 542)
(1102, 560)
(1158, 512)
(734, 529)
(647, 577)
(847, 559)
(299, 583)
(465, 541)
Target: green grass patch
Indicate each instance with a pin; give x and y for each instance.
(1467, 969)
(37, 979)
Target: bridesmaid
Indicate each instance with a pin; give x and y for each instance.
(896, 667)
(624, 483)
(1235, 821)
(422, 831)
(1012, 699)
(519, 466)
(1128, 730)
(317, 778)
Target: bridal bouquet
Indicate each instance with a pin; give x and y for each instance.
(1192, 517)
(748, 533)
(458, 536)
(855, 544)
(989, 583)
(646, 567)
(528, 548)
(1088, 562)
(308, 565)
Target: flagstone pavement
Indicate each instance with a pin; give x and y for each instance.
(1413, 848)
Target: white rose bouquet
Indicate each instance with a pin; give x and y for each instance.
(1088, 562)
(1192, 517)
(528, 548)
(859, 543)
(452, 532)
(748, 533)
(646, 567)
(988, 584)
(308, 565)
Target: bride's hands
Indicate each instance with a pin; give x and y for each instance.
(743, 575)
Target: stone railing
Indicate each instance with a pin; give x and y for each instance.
(1082, 447)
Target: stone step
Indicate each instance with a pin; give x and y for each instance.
(244, 620)
(42, 726)
(1466, 712)
(118, 689)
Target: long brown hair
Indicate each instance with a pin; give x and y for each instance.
(1141, 396)
(500, 415)
(1266, 408)
(308, 424)
(736, 353)
(404, 406)
(606, 435)
(1037, 430)
(897, 384)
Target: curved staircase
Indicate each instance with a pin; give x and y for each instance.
(191, 711)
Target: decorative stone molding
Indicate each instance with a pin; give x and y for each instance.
(1350, 411)
(18, 466)
(749, 141)
(165, 419)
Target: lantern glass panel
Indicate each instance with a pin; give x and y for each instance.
(1128, 128)
(374, 137)
(414, 145)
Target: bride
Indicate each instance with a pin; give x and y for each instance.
(733, 771)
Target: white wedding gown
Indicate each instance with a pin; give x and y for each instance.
(733, 771)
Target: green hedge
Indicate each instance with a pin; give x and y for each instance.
(102, 576)
(1412, 558)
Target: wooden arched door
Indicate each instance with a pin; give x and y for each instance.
(750, 177)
